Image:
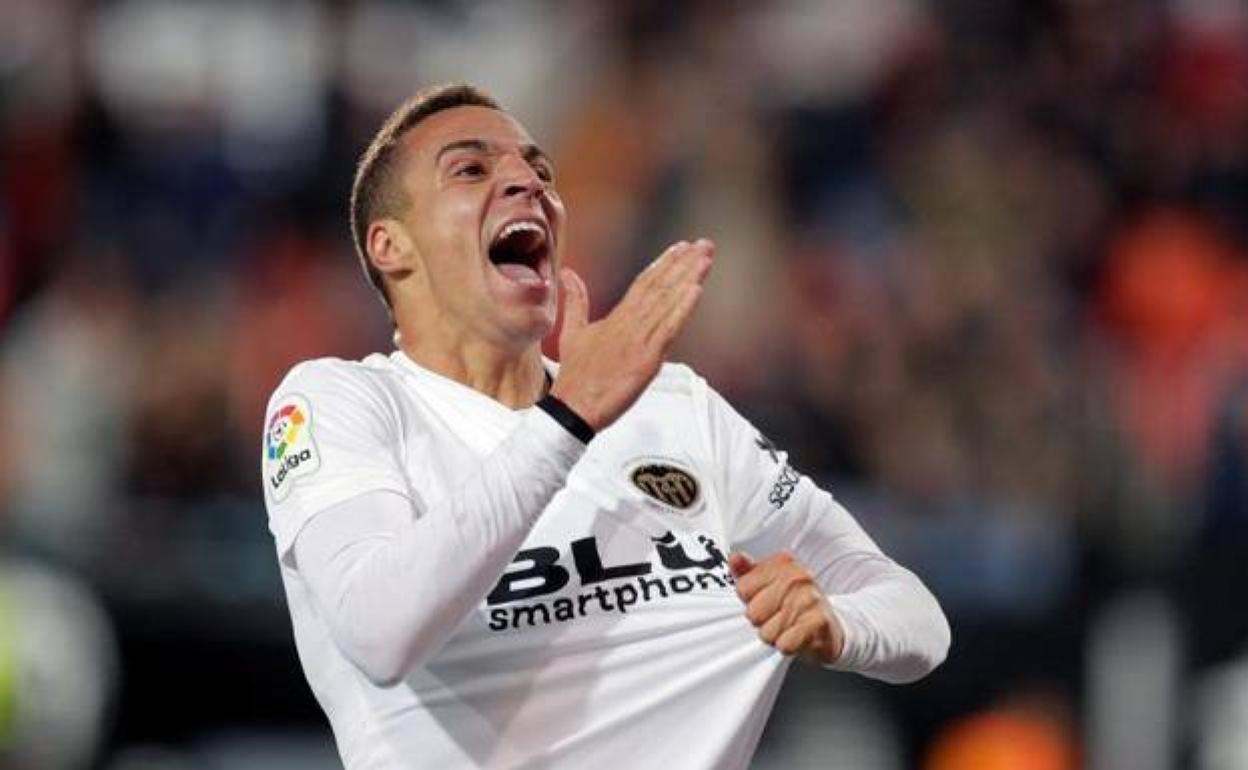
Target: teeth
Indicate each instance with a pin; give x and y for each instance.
(516, 227)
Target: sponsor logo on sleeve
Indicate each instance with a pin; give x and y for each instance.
(782, 490)
(788, 479)
(289, 452)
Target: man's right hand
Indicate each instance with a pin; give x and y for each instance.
(605, 365)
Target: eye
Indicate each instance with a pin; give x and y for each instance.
(544, 172)
(470, 169)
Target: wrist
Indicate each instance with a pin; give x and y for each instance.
(566, 416)
(833, 647)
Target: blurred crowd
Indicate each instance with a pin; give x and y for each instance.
(983, 269)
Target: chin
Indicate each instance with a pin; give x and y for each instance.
(542, 329)
(531, 327)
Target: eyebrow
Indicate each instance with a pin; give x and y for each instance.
(530, 152)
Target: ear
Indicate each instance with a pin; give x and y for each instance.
(390, 247)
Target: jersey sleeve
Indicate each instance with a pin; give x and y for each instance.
(391, 576)
(757, 486)
(894, 628)
(329, 435)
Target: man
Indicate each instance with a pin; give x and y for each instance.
(495, 561)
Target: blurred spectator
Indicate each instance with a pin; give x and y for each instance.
(68, 368)
(1010, 737)
(1174, 302)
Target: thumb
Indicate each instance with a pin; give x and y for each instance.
(739, 563)
(575, 301)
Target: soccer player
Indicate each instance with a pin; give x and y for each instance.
(493, 560)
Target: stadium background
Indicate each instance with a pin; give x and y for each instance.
(983, 269)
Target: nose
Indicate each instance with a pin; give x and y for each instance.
(520, 178)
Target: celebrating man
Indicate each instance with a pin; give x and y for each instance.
(493, 560)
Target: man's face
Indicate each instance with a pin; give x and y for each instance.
(486, 226)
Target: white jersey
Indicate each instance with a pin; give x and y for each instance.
(597, 623)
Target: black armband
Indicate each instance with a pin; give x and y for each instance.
(563, 414)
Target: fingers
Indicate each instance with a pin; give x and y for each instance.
(687, 265)
(766, 602)
(575, 300)
(663, 264)
(674, 268)
(790, 593)
(677, 315)
(795, 638)
(783, 602)
(739, 563)
(762, 574)
(773, 628)
(666, 301)
(680, 309)
(799, 609)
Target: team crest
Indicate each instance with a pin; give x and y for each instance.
(288, 449)
(667, 483)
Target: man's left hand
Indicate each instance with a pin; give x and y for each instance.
(785, 604)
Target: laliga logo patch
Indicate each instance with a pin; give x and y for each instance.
(666, 482)
(288, 449)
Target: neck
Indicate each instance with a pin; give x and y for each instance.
(513, 377)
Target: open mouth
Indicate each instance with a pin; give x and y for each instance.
(519, 251)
